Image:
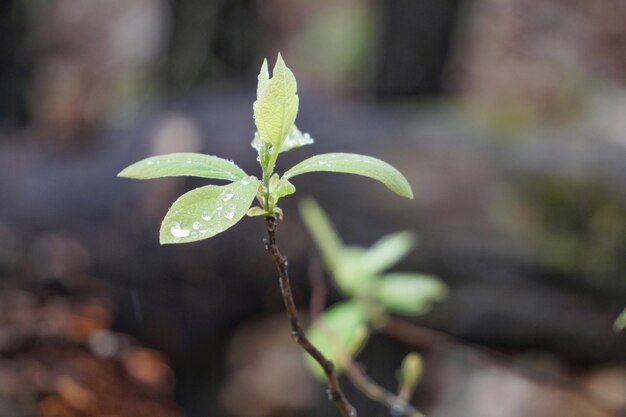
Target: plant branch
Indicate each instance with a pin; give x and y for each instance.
(297, 332)
(359, 378)
(398, 405)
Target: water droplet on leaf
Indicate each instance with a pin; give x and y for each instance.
(178, 231)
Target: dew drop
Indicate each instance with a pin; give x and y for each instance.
(194, 235)
(230, 215)
(219, 208)
(227, 195)
(150, 162)
(196, 225)
(178, 231)
(206, 216)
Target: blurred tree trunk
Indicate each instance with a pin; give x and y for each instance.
(13, 64)
(415, 45)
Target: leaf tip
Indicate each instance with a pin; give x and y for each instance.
(126, 173)
(280, 65)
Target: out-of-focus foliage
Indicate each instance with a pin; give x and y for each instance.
(620, 322)
(410, 372)
(579, 228)
(358, 273)
(343, 330)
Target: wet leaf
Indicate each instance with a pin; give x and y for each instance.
(295, 139)
(206, 211)
(355, 164)
(276, 107)
(180, 164)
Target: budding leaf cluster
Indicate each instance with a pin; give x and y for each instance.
(207, 211)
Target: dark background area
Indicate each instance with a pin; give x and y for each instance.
(507, 117)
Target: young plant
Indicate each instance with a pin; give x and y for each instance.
(207, 211)
(342, 330)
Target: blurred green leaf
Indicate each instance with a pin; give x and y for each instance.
(206, 211)
(326, 238)
(354, 269)
(620, 322)
(276, 107)
(410, 372)
(355, 164)
(388, 251)
(340, 330)
(179, 164)
(350, 274)
(410, 293)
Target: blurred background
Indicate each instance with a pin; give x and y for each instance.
(508, 117)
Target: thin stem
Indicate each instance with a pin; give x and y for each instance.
(359, 378)
(399, 405)
(297, 332)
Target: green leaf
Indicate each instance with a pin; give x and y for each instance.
(410, 372)
(355, 164)
(276, 107)
(410, 293)
(256, 211)
(324, 234)
(388, 251)
(295, 139)
(178, 164)
(257, 143)
(350, 275)
(264, 78)
(284, 188)
(340, 330)
(206, 211)
(620, 322)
